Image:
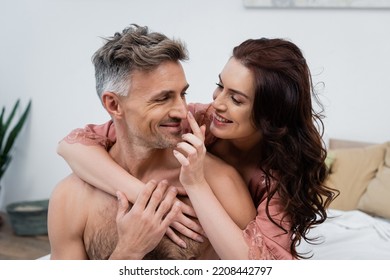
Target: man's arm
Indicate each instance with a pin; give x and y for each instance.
(66, 220)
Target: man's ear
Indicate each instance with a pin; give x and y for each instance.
(112, 104)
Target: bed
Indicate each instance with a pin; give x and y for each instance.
(358, 227)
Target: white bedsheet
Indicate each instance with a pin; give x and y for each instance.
(350, 235)
(346, 235)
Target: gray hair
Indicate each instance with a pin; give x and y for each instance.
(134, 49)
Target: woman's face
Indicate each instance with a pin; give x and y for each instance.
(233, 103)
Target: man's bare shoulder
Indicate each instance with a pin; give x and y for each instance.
(71, 184)
(71, 179)
(67, 216)
(70, 191)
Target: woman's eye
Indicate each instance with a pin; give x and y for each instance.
(235, 101)
(219, 85)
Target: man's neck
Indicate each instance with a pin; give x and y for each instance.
(143, 162)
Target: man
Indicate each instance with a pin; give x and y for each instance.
(142, 85)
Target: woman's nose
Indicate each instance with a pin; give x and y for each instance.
(218, 102)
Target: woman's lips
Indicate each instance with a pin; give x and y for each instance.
(218, 120)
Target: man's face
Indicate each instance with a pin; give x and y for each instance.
(156, 105)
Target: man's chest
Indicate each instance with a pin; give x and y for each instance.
(100, 235)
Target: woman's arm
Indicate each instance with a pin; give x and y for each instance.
(224, 234)
(107, 175)
(221, 200)
(85, 150)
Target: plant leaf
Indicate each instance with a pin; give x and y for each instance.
(2, 127)
(7, 123)
(4, 161)
(15, 131)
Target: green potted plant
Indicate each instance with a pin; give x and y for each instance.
(9, 134)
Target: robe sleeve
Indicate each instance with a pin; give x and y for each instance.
(93, 134)
(266, 240)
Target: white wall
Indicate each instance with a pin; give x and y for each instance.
(46, 46)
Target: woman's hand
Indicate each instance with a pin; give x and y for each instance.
(186, 226)
(191, 154)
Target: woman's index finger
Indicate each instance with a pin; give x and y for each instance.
(194, 126)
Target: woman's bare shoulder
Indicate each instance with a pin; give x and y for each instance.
(213, 163)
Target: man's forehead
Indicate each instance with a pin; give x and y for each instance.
(167, 77)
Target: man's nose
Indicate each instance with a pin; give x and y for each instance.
(179, 110)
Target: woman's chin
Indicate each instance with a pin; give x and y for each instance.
(218, 132)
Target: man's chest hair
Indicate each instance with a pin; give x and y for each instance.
(100, 235)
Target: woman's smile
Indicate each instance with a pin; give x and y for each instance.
(219, 120)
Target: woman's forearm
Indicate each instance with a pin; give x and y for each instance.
(94, 165)
(224, 234)
(205, 178)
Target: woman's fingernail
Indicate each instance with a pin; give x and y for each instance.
(199, 239)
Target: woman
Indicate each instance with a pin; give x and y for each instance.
(261, 122)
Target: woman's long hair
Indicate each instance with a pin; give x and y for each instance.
(291, 145)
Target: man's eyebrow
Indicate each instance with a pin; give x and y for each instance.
(162, 93)
(186, 87)
(234, 90)
(167, 92)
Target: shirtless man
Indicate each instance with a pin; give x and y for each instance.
(142, 85)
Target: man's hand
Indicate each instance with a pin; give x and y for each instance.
(141, 228)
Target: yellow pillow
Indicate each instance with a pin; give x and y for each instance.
(376, 199)
(351, 172)
(329, 159)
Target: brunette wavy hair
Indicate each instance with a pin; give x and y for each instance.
(291, 145)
